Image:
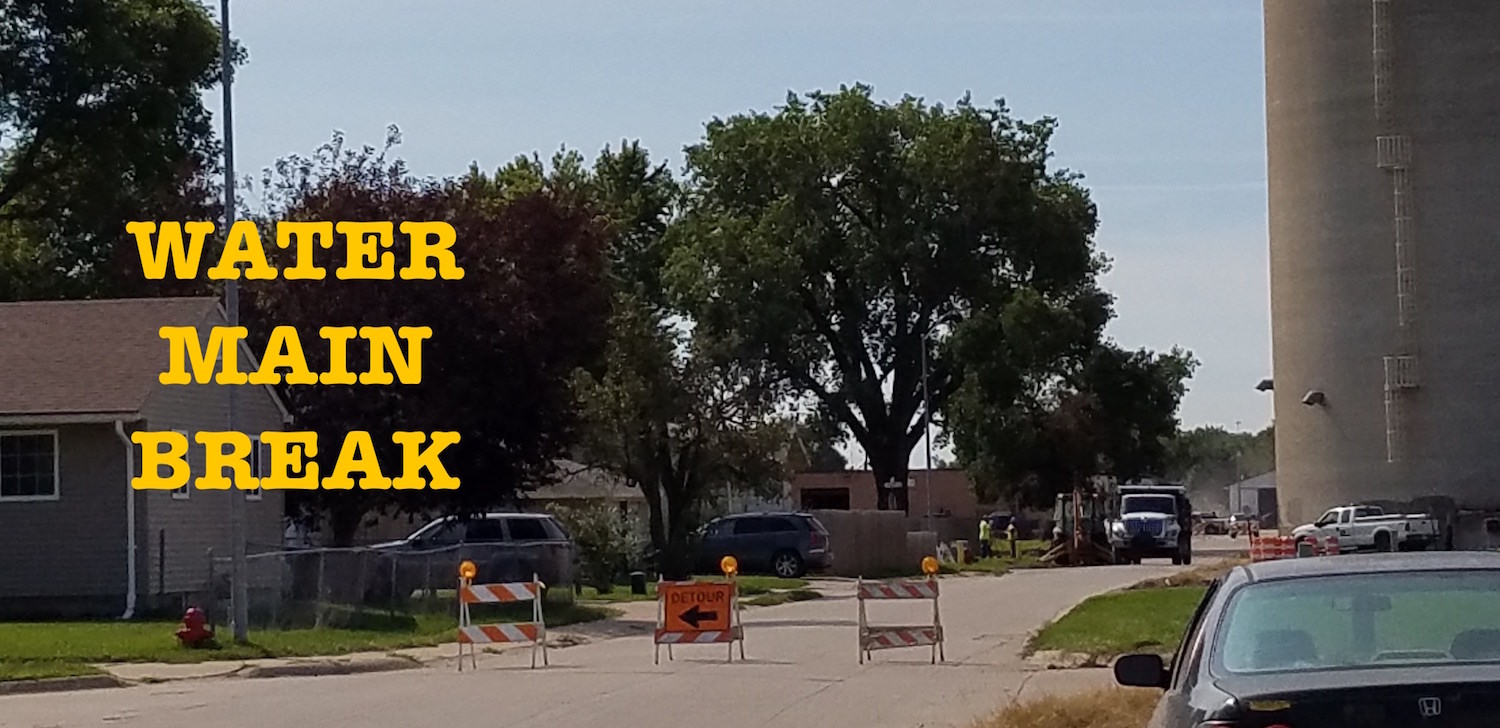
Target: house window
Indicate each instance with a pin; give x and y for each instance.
(28, 465)
(259, 465)
(194, 454)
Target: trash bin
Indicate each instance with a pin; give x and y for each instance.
(638, 582)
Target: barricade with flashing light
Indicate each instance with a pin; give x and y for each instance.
(700, 612)
(534, 632)
(885, 637)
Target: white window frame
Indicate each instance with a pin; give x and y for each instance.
(186, 491)
(257, 468)
(56, 467)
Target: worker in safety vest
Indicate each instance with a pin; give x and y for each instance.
(984, 538)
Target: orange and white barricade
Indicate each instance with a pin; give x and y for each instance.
(534, 632)
(700, 613)
(1257, 549)
(1332, 549)
(884, 637)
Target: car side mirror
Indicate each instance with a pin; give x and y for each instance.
(1141, 671)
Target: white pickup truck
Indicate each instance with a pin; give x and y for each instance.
(1368, 528)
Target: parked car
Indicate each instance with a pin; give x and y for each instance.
(1364, 641)
(506, 547)
(785, 544)
(1368, 528)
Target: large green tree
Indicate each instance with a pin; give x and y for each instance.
(678, 422)
(833, 239)
(530, 309)
(101, 122)
(663, 412)
(1111, 412)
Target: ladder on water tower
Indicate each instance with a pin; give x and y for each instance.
(1393, 155)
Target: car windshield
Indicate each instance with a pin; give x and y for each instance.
(1148, 504)
(1362, 620)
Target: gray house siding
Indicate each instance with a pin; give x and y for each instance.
(189, 527)
(67, 556)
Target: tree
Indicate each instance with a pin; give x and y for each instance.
(1208, 458)
(835, 238)
(101, 122)
(672, 420)
(1114, 412)
(814, 447)
(530, 309)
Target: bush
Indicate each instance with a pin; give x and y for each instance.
(609, 543)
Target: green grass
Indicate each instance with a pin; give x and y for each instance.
(1148, 620)
(750, 586)
(31, 650)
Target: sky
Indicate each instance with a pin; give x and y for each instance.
(1160, 105)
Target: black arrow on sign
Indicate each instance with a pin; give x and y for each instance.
(695, 616)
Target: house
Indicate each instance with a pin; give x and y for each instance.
(949, 506)
(952, 494)
(579, 485)
(1255, 496)
(75, 538)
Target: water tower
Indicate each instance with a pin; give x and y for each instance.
(1383, 130)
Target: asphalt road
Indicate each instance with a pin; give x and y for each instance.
(802, 671)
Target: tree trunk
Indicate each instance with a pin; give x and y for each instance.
(889, 466)
(343, 521)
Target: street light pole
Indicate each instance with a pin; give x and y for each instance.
(239, 592)
(927, 430)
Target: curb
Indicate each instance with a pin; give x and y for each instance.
(59, 684)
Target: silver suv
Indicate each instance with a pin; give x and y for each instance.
(506, 547)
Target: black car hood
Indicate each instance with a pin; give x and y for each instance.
(1442, 696)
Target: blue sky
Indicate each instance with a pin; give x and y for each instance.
(1160, 104)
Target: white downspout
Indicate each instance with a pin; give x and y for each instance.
(129, 520)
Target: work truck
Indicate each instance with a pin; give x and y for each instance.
(1155, 521)
(1369, 528)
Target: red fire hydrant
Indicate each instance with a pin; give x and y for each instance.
(194, 630)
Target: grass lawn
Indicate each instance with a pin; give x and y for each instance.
(1150, 620)
(31, 650)
(750, 586)
(1109, 708)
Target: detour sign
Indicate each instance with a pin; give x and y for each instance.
(697, 607)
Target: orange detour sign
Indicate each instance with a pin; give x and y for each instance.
(697, 607)
(698, 612)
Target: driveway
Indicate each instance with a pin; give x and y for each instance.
(802, 669)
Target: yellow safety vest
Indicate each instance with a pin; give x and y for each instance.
(984, 530)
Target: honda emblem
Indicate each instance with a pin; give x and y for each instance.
(1430, 707)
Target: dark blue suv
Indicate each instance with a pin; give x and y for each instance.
(785, 544)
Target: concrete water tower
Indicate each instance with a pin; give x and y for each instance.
(1383, 131)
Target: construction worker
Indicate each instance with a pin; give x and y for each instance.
(1010, 535)
(984, 538)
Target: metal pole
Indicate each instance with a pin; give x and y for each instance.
(927, 429)
(239, 596)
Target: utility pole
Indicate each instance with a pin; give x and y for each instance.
(927, 429)
(239, 592)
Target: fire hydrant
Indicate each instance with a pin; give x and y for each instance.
(194, 630)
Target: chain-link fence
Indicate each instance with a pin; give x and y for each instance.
(368, 587)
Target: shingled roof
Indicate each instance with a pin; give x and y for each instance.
(87, 357)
